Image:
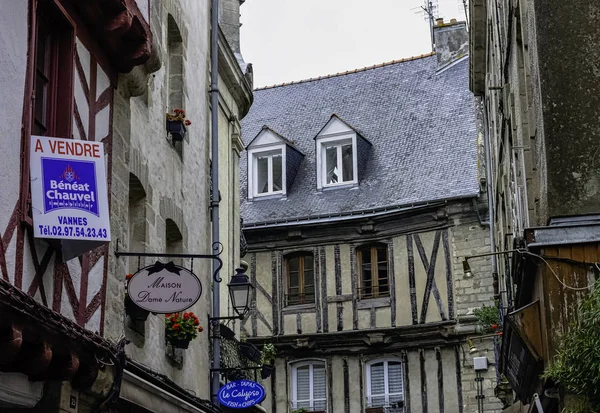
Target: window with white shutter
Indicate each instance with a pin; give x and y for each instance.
(385, 386)
(308, 386)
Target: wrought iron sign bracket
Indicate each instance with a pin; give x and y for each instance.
(217, 249)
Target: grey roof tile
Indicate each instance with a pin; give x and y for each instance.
(421, 124)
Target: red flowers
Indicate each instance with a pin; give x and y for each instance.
(128, 276)
(188, 122)
(184, 326)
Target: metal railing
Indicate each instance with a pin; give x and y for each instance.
(299, 298)
(373, 292)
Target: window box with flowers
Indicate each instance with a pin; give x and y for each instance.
(131, 308)
(176, 124)
(181, 329)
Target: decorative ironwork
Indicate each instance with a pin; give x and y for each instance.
(217, 248)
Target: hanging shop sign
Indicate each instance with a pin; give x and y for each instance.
(69, 198)
(164, 288)
(241, 394)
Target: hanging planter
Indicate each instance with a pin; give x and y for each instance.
(266, 371)
(267, 359)
(250, 351)
(180, 329)
(131, 308)
(176, 124)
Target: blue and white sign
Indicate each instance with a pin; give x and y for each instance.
(241, 394)
(68, 189)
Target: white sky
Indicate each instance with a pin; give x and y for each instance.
(289, 40)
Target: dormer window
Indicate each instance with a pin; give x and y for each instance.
(273, 162)
(268, 170)
(340, 151)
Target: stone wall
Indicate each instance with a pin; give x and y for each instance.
(174, 183)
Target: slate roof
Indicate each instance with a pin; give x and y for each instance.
(421, 123)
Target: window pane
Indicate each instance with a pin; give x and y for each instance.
(293, 264)
(377, 379)
(319, 382)
(331, 164)
(262, 174)
(308, 262)
(303, 383)
(277, 173)
(293, 280)
(395, 377)
(347, 163)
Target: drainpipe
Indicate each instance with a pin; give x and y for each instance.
(214, 126)
(488, 172)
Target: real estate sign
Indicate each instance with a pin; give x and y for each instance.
(69, 197)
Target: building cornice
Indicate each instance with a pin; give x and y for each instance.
(235, 80)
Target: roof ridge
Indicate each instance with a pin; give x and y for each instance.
(347, 72)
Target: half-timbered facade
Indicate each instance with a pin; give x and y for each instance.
(60, 63)
(360, 198)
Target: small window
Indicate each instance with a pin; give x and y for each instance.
(308, 386)
(385, 387)
(53, 81)
(373, 269)
(300, 279)
(268, 173)
(338, 164)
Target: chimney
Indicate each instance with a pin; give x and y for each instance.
(229, 21)
(451, 41)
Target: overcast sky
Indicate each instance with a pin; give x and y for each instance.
(289, 40)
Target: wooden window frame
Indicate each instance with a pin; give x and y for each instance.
(60, 95)
(375, 293)
(301, 277)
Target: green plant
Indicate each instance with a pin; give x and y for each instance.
(183, 327)
(576, 366)
(300, 410)
(487, 316)
(268, 354)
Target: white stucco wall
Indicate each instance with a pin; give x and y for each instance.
(13, 61)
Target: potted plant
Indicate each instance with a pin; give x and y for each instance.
(488, 317)
(176, 124)
(182, 328)
(267, 360)
(300, 410)
(250, 351)
(131, 308)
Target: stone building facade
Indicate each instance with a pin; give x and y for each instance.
(110, 72)
(534, 67)
(361, 198)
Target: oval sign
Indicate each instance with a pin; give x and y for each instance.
(164, 288)
(241, 394)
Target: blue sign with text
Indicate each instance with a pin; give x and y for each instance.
(69, 184)
(241, 394)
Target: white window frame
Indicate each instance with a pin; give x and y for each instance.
(253, 155)
(387, 393)
(338, 139)
(312, 400)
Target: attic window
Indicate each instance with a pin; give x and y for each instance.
(336, 160)
(341, 154)
(266, 171)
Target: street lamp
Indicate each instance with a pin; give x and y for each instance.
(240, 289)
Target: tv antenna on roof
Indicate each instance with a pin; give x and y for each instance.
(429, 9)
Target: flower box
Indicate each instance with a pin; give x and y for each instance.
(177, 129)
(179, 343)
